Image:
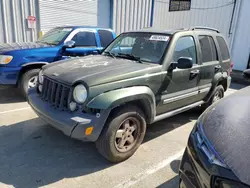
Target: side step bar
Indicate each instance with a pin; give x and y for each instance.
(177, 111)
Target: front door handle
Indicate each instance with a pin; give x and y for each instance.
(195, 72)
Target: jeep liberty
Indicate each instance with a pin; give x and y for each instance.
(140, 78)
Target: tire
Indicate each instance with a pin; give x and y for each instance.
(109, 145)
(219, 90)
(24, 82)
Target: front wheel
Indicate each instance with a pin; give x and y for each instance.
(122, 134)
(28, 80)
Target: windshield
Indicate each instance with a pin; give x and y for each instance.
(54, 36)
(148, 47)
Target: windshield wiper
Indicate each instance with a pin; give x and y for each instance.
(131, 57)
(109, 54)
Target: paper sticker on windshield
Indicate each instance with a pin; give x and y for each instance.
(67, 29)
(159, 38)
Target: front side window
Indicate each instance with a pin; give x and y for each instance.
(84, 39)
(148, 47)
(55, 36)
(185, 47)
(208, 49)
(179, 5)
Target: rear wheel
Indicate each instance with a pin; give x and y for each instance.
(218, 94)
(122, 134)
(28, 80)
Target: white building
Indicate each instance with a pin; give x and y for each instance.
(229, 16)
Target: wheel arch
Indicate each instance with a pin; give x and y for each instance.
(28, 66)
(141, 96)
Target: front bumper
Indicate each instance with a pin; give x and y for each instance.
(72, 124)
(9, 75)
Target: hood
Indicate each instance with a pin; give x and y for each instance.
(21, 45)
(98, 69)
(226, 125)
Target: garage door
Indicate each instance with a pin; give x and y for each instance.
(78, 12)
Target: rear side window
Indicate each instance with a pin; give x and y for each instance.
(223, 48)
(208, 49)
(84, 39)
(106, 37)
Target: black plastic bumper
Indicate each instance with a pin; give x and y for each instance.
(73, 124)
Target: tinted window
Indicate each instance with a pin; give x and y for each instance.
(208, 49)
(84, 39)
(147, 47)
(179, 5)
(223, 48)
(185, 47)
(106, 37)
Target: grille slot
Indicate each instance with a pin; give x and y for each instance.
(56, 94)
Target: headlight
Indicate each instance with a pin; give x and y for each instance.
(80, 93)
(5, 59)
(40, 77)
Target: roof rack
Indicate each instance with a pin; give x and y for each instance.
(207, 28)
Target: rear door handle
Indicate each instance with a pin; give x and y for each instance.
(194, 72)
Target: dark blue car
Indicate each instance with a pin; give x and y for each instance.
(20, 62)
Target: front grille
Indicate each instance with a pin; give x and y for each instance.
(55, 93)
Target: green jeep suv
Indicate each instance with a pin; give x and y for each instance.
(140, 78)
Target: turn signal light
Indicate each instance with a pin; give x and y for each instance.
(88, 131)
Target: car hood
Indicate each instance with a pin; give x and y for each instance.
(20, 46)
(98, 69)
(226, 125)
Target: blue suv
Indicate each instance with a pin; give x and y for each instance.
(20, 62)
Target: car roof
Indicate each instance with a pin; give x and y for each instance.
(173, 31)
(83, 26)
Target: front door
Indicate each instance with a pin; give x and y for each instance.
(180, 86)
(85, 44)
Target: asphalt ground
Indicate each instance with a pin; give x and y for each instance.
(34, 154)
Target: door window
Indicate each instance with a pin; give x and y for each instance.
(185, 47)
(223, 48)
(106, 37)
(208, 49)
(84, 39)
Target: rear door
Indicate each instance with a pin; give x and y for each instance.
(210, 64)
(224, 54)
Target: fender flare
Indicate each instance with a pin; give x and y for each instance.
(112, 99)
(35, 63)
(217, 78)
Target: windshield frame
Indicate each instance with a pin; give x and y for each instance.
(160, 61)
(63, 39)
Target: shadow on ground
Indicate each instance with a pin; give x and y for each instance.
(172, 183)
(33, 154)
(10, 95)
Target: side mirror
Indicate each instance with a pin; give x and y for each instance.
(69, 44)
(184, 63)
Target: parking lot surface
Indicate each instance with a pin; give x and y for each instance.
(33, 154)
